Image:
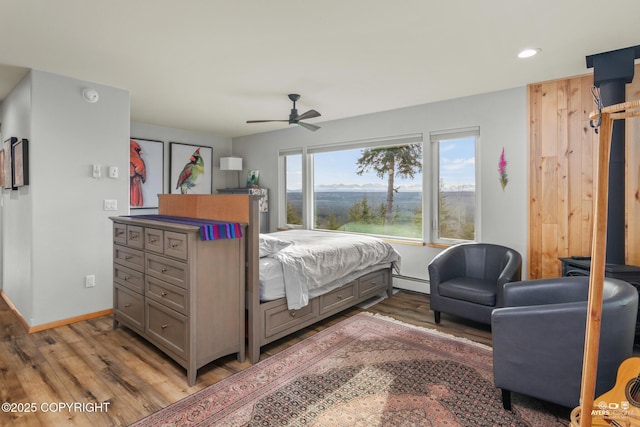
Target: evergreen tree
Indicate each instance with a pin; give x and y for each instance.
(446, 221)
(292, 215)
(402, 161)
(332, 223)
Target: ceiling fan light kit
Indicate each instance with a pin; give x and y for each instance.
(294, 117)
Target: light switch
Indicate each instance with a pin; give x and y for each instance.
(110, 205)
(113, 171)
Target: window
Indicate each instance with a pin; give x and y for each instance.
(293, 188)
(454, 192)
(370, 187)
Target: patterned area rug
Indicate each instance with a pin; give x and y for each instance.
(364, 371)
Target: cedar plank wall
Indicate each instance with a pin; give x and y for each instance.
(562, 171)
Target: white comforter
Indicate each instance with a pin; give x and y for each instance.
(317, 259)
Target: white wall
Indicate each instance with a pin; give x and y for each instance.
(502, 119)
(55, 230)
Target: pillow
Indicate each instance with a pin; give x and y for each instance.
(270, 245)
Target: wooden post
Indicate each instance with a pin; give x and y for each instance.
(581, 416)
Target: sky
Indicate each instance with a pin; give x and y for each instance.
(338, 168)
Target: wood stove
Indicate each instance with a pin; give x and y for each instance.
(581, 266)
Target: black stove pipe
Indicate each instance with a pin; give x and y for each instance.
(611, 72)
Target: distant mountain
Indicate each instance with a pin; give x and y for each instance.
(369, 187)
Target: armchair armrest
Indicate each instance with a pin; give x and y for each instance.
(511, 272)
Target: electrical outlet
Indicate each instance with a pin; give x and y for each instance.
(96, 173)
(89, 281)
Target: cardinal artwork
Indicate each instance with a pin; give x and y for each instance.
(191, 172)
(137, 174)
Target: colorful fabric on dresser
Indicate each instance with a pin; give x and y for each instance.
(209, 230)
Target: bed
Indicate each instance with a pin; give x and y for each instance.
(282, 297)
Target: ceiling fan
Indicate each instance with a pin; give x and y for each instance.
(294, 117)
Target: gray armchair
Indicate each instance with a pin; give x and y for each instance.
(538, 337)
(467, 279)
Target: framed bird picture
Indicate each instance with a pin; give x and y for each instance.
(191, 167)
(146, 172)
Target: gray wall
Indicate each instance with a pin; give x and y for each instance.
(55, 231)
(502, 119)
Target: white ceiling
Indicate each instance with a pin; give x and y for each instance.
(210, 65)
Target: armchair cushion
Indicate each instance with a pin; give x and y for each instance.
(477, 291)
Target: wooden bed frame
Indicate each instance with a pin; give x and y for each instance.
(272, 320)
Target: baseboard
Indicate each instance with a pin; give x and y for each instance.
(50, 325)
(15, 310)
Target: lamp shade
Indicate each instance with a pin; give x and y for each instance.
(231, 163)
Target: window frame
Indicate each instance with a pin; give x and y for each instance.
(308, 191)
(436, 138)
(282, 185)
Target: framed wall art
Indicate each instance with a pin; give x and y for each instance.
(191, 167)
(1, 167)
(20, 163)
(6, 167)
(146, 172)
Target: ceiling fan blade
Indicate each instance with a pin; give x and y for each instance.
(308, 115)
(265, 121)
(309, 126)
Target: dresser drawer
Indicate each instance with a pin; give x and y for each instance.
(167, 294)
(129, 308)
(338, 298)
(135, 236)
(154, 240)
(132, 279)
(372, 284)
(175, 244)
(167, 327)
(128, 257)
(169, 270)
(120, 233)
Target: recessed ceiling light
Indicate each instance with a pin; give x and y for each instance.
(528, 53)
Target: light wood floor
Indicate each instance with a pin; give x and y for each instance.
(89, 362)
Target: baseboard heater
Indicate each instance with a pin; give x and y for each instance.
(410, 283)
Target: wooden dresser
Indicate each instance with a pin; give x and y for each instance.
(183, 294)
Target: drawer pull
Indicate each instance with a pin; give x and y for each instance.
(163, 270)
(153, 240)
(339, 296)
(127, 257)
(119, 233)
(126, 278)
(164, 326)
(127, 305)
(164, 294)
(134, 237)
(374, 283)
(292, 313)
(175, 245)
